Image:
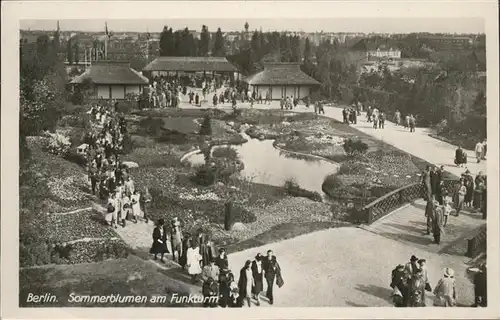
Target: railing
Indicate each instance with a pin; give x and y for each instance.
(477, 242)
(398, 198)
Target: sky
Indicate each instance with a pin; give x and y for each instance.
(335, 24)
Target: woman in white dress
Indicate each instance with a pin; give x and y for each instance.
(135, 199)
(193, 262)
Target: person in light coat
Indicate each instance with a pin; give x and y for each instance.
(445, 291)
(193, 262)
(135, 200)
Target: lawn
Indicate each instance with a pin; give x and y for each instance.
(126, 277)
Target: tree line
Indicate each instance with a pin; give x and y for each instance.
(184, 43)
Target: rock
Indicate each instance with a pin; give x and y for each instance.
(230, 123)
(261, 137)
(220, 184)
(238, 226)
(130, 164)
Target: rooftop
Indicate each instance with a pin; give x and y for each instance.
(190, 64)
(281, 74)
(108, 72)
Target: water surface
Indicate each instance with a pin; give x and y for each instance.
(268, 165)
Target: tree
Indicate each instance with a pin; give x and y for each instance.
(206, 126)
(307, 50)
(166, 42)
(69, 51)
(204, 45)
(77, 53)
(255, 44)
(219, 50)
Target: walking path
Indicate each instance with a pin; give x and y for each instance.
(408, 225)
(347, 267)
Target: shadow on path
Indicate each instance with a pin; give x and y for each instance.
(379, 292)
(354, 304)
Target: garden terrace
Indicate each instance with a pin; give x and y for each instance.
(363, 176)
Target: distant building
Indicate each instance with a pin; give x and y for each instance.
(281, 80)
(172, 65)
(112, 80)
(447, 42)
(377, 49)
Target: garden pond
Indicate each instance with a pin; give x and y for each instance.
(269, 165)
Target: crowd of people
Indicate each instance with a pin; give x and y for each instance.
(410, 282)
(468, 192)
(350, 114)
(197, 255)
(109, 177)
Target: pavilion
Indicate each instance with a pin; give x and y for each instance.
(281, 79)
(190, 65)
(112, 80)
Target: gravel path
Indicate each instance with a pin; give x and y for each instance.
(346, 267)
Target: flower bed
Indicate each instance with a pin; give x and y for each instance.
(84, 224)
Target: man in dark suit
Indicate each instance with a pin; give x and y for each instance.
(271, 269)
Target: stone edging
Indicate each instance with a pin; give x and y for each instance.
(306, 154)
(189, 153)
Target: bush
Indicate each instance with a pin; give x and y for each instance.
(441, 126)
(151, 126)
(206, 126)
(58, 145)
(330, 183)
(357, 146)
(205, 175)
(294, 190)
(225, 152)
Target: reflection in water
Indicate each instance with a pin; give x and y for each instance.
(268, 165)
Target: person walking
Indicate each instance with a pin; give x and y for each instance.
(381, 120)
(245, 283)
(412, 123)
(479, 150)
(446, 210)
(158, 246)
(484, 150)
(437, 222)
(460, 197)
(417, 288)
(480, 287)
(429, 215)
(399, 286)
(186, 244)
(426, 182)
(146, 204)
(445, 291)
(469, 184)
(397, 117)
(258, 276)
(210, 290)
(176, 239)
(210, 271)
(221, 260)
(193, 262)
(271, 270)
